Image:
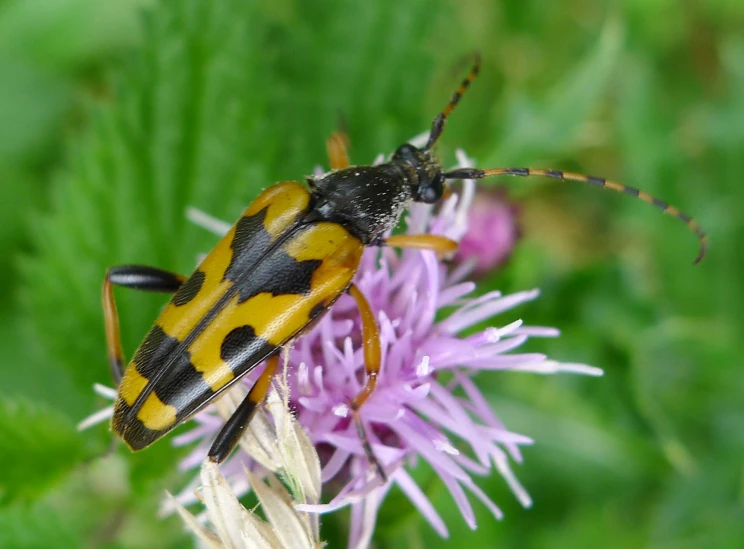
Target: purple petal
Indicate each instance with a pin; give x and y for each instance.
(484, 410)
(477, 492)
(428, 311)
(334, 465)
(420, 501)
(450, 295)
(502, 465)
(537, 331)
(458, 494)
(462, 319)
(425, 446)
(463, 429)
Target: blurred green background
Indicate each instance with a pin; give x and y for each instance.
(114, 116)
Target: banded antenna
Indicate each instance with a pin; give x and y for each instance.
(475, 173)
(437, 126)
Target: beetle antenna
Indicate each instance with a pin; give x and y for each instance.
(474, 173)
(437, 126)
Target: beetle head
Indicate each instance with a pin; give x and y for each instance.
(429, 184)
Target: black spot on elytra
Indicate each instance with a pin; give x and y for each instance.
(316, 315)
(277, 274)
(255, 268)
(190, 288)
(131, 429)
(167, 367)
(242, 349)
(154, 351)
(249, 244)
(317, 309)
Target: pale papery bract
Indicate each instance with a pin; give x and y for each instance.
(233, 526)
(426, 405)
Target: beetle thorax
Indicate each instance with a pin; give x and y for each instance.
(368, 200)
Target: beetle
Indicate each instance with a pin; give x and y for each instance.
(293, 252)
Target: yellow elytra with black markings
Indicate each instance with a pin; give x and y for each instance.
(257, 289)
(287, 259)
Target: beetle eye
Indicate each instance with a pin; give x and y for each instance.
(430, 192)
(431, 195)
(407, 153)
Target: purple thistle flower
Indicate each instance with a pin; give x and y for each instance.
(493, 231)
(414, 413)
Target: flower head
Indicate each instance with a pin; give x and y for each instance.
(426, 405)
(492, 233)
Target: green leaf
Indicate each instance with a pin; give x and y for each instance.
(17, 197)
(64, 33)
(553, 124)
(38, 445)
(703, 510)
(35, 527)
(32, 105)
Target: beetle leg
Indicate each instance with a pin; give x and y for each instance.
(372, 358)
(138, 277)
(229, 436)
(434, 242)
(148, 279)
(337, 145)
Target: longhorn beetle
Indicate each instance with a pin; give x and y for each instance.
(280, 267)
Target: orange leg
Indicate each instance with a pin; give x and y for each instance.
(440, 244)
(137, 277)
(229, 436)
(372, 359)
(372, 353)
(337, 145)
(113, 336)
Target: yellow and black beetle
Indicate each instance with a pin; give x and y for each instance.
(282, 265)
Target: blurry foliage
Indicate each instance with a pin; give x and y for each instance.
(114, 116)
